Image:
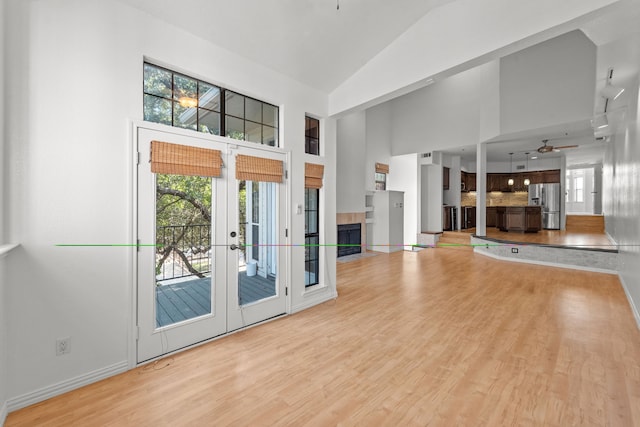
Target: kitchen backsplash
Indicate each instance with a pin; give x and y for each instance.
(519, 198)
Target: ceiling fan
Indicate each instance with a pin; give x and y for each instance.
(548, 148)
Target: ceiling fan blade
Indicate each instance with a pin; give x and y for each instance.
(565, 146)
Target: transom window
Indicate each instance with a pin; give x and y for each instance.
(178, 100)
(312, 136)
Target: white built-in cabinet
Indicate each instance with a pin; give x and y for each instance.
(388, 217)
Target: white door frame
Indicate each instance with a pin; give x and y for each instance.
(134, 126)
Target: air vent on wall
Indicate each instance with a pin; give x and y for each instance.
(426, 155)
(520, 167)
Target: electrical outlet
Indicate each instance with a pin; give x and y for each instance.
(514, 250)
(63, 346)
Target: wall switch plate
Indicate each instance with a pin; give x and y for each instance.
(63, 346)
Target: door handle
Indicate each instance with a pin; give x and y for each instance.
(233, 247)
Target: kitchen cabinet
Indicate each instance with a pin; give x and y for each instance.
(449, 219)
(468, 217)
(491, 218)
(445, 178)
(533, 218)
(500, 181)
(551, 176)
(468, 181)
(519, 218)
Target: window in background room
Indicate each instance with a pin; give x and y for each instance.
(381, 181)
(312, 136)
(579, 188)
(382, 170)
(178, 100)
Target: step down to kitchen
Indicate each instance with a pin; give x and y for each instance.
(429, 238)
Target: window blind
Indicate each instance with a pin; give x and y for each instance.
(258, 169)
(382, 168)
(313, 174)
(179, 159)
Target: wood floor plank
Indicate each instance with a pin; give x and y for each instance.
(438, 337)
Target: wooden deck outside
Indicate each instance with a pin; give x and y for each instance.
(192, 298)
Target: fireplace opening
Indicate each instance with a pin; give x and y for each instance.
(349, 234)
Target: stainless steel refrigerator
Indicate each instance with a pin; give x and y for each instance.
(548, 197)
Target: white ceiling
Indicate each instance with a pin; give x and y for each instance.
(314, 43)
(310, 41)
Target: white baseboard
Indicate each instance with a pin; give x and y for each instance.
(65, 386)
(549, 264)
(634, 308)
(3, 413)
(315, 301)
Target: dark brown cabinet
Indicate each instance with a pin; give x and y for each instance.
(468, 217)
(518, 218)
(533, 218)
(491, 218)
(468, 181)
(448, 218)
(445, 178)
(500, 181)
(551, 176)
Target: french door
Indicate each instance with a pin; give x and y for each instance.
(211, 254)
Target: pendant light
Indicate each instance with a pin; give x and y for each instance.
(510, 181)
(526, 180)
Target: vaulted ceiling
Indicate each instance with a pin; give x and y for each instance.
(311, 41)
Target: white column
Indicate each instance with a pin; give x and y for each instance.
(481, 190)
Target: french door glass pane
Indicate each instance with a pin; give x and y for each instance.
(257, 251)
(183, 248)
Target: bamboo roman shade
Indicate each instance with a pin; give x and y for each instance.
(313, 174)
(382, 168)
(185, 160)
(258, 169)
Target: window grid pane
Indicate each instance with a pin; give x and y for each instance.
(312, 136)
(178, 100)
(312, 236)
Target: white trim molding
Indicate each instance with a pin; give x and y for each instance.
(634, 308)
(3, 413)
(313, 302)
(64, 386)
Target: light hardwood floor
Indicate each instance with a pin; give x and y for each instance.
(440, 337)
(578, 237)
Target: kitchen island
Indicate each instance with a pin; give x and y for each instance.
(526, 219)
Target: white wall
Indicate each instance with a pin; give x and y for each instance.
(430, 198)
(544, 85)
(449, 113)
(350, 163)
(439, 44)
(378, 141)
(3, 299)
(621, 168)
(74, 81)
(405, 177)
